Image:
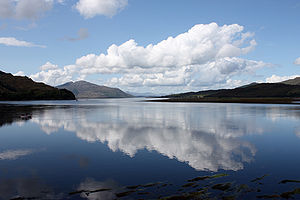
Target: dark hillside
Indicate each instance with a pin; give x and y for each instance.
(18, 88)
(295, 81)
(261, 90)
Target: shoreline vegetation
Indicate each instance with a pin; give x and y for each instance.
(286, 92)
(231, 100)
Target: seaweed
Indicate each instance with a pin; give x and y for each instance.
(288, 181)
(259, 178)
(132, 187)
(268, 196)
(222, 186)
(285, 195)
(150, 184)
(202, 178)
(126, 193)
(290, 194)
(229, 198)
(193, 189)
(188, 184)
(88, 192)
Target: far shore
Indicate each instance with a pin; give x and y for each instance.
(232, 100)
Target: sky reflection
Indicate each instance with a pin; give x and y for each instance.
(211, 142)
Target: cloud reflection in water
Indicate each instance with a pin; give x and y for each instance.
(205, 140)
(14, 154)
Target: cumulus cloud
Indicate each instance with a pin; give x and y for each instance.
(205, 55)
(11, 41)
(297, 61)
(48, 66)
(276, 79)
(82, 34)
(201, 44)
(24, 9)
(53, 75)
(91, 8)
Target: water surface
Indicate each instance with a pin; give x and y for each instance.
(68, 149)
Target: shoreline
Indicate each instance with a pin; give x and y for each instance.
(294, 101)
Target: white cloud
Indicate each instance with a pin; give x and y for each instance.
(19, 73)
(206, 55)
(52, 75)
(11, 41)
(297, 61)
(24, 9)
(91, 8)
(201, 44)
(276, 79)
(48, 66)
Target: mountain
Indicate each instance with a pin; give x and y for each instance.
(18, 88)
(145, 94)
(295, 81)
(86, 90)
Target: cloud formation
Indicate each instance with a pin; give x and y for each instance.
(33, 9)
(297, 61)
(11, 41)
(205, 55)
(14, 154)
(52, 74)
(24, 9)
(209, 144)
(91, 8)
(6, 9)
(276, 79)
(82, 34)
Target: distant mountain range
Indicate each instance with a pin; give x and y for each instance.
(18, 88)
(86, 90)
(286, 89)
(145, 94)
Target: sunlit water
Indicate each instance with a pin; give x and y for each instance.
(87, 145)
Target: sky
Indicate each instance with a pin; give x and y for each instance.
(153, 46)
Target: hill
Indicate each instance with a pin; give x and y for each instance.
(252, 93)
(86, 90)
(295, 81)
(262, 90)
(18, 88)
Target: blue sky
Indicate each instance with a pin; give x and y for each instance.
(39, 38)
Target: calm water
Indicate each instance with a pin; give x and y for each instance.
(71, 150)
